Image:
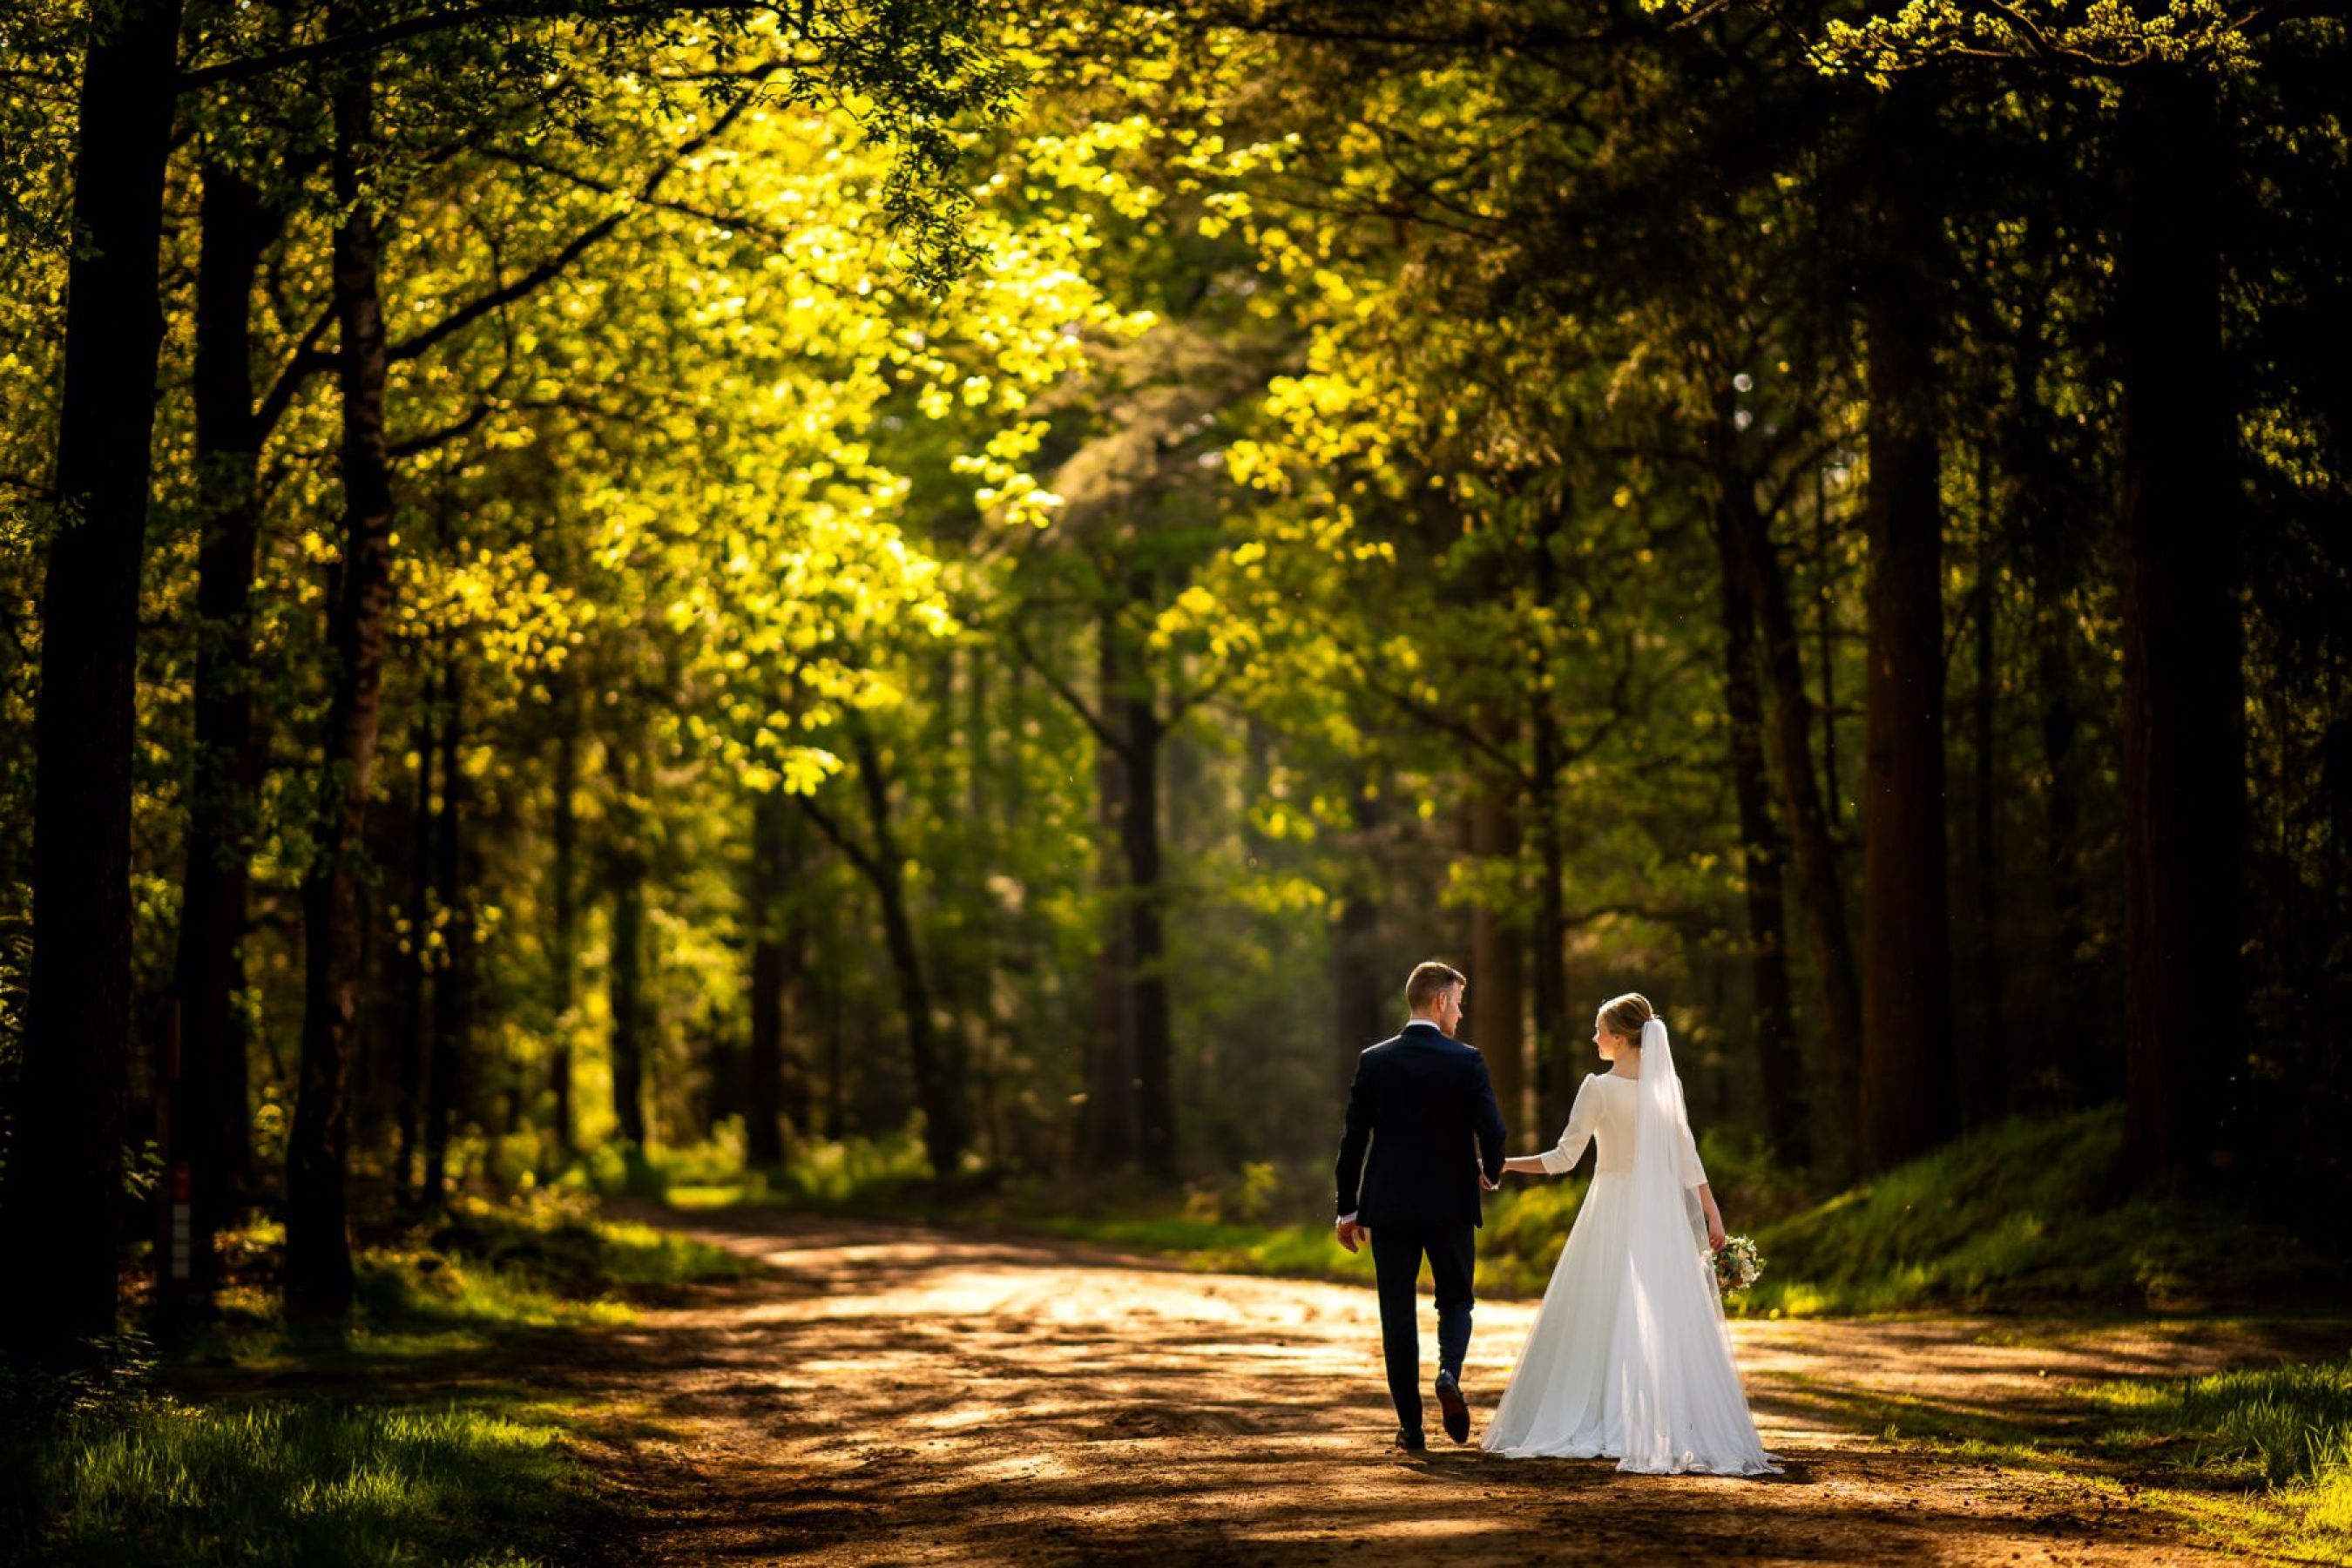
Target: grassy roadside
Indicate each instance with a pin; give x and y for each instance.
(2031, 1214)
(2256, 1463)
(415, 1437)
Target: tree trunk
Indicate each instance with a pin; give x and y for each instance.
(214, 1138)
(415, 1024)
(1498, 995)
(763, 1143)
(1358, 990)
(2076, 1077)
(2183, 699)
(1147, 944)
(1824, 626)
(564, 957)
(1764, 853)
(799, 1100)
(937, 1057)
(453, 982)
(317, 1247)
(624, 976)
(64, 1160)
(1908, 1076)
(1982, 1069)
(1823, 895)
(1558, 1041)
(1112, 1134)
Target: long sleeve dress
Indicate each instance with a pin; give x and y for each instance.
(1568, 1395)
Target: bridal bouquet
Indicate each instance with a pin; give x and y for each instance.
(1736, 1264)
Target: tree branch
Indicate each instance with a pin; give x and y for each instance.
(865, 863)
(306, 362)
(1062, 690)
(554, 267)
(347, 44)
(447, 433)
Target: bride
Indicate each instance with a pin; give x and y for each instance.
(1628, 1357)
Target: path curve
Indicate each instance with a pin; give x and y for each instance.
(905, 1395)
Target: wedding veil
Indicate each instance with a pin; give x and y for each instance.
(1671, 1302)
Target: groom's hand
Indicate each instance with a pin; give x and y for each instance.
(1348, 1233)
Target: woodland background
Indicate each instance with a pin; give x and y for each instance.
(966, 590)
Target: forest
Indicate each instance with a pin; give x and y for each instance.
(928, 604)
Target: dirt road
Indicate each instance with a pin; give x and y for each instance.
(904, 1396)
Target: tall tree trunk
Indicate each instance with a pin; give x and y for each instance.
(318, 1246)
(1358, 990)
(214, 1139)
(1824, 628)
(937, 1057)
(1981, 1069)
(1557, 1039)
(64, 1162)
(1818, 888)
(625, 978)
(452, 983)
(415, 1023)
(1908, 1076)
(2074, 1066)
(1113, 1135)
(763, 1143)
(799, 1092)
(1497, 995)
(1155, 1083)
(2076, 1074)
(2183, 703)
(1764, 853)
(564, 960)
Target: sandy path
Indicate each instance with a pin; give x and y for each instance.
(896, 1394)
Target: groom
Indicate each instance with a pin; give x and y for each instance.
(1425, 1105)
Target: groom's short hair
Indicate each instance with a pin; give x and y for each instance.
(1430, 981)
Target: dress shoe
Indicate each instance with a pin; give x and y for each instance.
(1455, 1408)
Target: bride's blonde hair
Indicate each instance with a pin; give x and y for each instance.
(1625, 1015)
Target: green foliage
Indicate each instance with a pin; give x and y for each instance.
(2279, 1427)
(2032, 1210)
(110, 1463)
(302, 1485)
(549, 1257)
(865, 1174)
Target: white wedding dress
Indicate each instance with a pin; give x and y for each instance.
(1628, 1357)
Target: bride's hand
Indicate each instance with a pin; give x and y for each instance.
(1715, 1232)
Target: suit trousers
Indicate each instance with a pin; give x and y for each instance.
(1396, 1252)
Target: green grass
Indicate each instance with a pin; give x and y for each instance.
(2029, 1213)
(2259, 1461)
(205, 1457)
(1517, 1250)
(274, 1483)
(868, 1175)
(2032, 1213)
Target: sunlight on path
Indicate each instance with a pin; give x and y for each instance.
(892, 1395)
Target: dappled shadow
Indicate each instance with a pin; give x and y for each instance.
(899, 1393)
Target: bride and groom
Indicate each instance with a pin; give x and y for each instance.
(1629, 1358)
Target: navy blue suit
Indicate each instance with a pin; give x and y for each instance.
(1422, 1124)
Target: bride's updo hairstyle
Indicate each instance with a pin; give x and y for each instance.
(1625, 1016)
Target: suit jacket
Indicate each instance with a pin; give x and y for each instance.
(1424, 1106)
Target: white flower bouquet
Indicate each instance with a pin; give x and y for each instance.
(1736, 1264)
